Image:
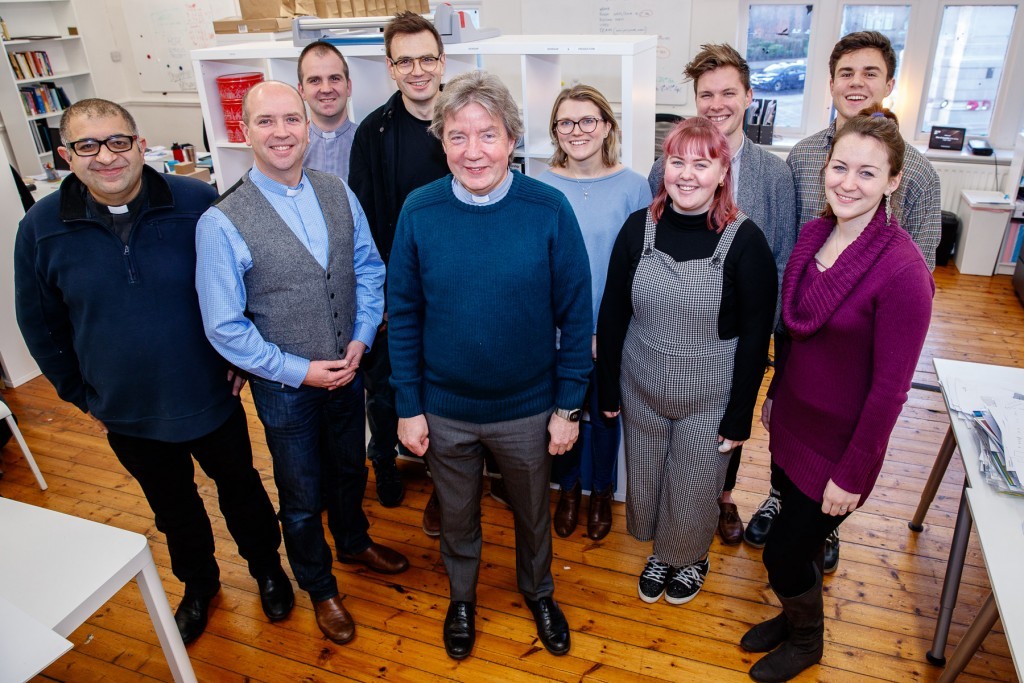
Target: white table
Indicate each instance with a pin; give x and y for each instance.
(999, 520)
(26, 646)
(60, 570)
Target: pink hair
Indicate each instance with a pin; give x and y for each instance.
(699, 136)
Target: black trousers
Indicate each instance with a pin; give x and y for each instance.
(380, 401)
(734, 467)
(797, 538)
(167, 477)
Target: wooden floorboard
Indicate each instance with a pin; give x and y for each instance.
(881, 605)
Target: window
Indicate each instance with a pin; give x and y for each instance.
(970, 55)
(889, 20)
(777, 42)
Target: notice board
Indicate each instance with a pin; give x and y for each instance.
(164, 32)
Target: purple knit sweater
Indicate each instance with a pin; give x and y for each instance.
(856, 332)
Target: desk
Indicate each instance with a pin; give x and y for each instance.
(999, 519)
(60, 570)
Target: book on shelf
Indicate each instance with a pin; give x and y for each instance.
(30, 64)
(43, 98)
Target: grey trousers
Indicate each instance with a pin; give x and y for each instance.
(456, 459)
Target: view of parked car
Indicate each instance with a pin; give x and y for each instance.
(780, 76)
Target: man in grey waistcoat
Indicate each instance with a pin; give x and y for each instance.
(291, 289)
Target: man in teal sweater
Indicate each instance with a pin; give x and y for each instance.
(487, 265)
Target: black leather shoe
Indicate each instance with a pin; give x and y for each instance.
(552, 627)
(459, 629)
(192, 614)
(276, 594)
(390, 490)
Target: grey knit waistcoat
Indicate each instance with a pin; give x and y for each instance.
(293, 302)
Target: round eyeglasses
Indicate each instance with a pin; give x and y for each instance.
(587, 124)
(89, 147)
(405, 65)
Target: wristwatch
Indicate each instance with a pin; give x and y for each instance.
(570, 415)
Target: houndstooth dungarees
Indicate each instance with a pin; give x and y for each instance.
(676, 382)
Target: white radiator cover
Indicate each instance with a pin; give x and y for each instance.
(956, 176)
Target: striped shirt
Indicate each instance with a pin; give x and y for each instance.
(917, 203)
(329, 151)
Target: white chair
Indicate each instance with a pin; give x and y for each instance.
(5, 414)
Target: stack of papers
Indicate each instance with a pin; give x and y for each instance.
(996, 412)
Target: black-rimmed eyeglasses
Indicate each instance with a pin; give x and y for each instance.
(405, 65)
(587, 124)
(90, 147)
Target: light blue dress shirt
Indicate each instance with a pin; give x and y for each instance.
(223, 259)
(329, 151)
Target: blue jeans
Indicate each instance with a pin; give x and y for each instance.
(317, 437)
(600, 439)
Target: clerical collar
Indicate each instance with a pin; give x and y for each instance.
(267, 184)
(118, 209)
(492, 197)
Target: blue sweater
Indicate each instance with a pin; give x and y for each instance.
(475, 296)
(116, 327)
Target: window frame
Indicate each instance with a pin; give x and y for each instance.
(915, 67)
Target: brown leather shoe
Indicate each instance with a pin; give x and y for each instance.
(379, 558)
(599, 514)
(334, 620)
(730, 526)
(567, 514)
(432, 516)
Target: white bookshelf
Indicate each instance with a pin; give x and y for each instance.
(56, 20)
(541, 72)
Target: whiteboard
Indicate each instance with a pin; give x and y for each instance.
(164, 32)
(667, 19)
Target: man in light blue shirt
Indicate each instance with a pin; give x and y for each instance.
(291, 290)
(325, 86)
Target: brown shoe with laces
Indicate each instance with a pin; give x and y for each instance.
(730, 526)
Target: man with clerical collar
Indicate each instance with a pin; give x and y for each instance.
(106, 300)
(325, 86)
(291, 289)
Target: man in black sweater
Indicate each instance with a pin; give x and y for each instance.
(393, 154)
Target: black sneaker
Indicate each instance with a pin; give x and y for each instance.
(831, 553)
(652, 580)
(686, 582)
(390, 490)
(761, 523)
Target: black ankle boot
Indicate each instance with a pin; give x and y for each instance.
(803, 648)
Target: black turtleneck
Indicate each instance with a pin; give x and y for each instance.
(748, 297)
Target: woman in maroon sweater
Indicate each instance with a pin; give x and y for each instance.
(856, 301)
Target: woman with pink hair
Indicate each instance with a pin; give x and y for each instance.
(682, 340)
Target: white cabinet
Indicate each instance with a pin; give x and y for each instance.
(40, 26)
(541, 72)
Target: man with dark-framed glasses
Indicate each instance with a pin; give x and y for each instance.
(105, 298)
(393, 154)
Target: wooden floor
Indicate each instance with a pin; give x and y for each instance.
(881, 604)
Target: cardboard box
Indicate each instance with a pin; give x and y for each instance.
(199, 174)
(240, 25)
(184, 167)
(273, 9)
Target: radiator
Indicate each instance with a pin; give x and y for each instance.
(954, 176)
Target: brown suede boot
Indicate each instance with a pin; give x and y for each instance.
(806, 642)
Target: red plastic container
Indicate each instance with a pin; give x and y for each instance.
(232, 110)
(234, 86)
(234, 131)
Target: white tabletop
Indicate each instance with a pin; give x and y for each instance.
(26, 646)
(998, 517)
(59, 569)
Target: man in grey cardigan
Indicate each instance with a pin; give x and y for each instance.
(764, 191)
